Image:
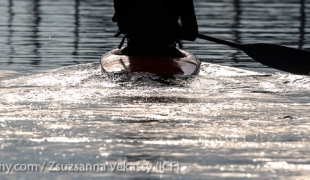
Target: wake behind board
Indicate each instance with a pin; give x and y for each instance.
(112, 62)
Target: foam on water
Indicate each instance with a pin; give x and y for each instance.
(225, 122)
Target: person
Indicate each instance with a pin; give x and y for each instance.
(152, 26)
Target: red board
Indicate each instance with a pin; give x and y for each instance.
(188, 65)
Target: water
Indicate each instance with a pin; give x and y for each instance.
(236, 120)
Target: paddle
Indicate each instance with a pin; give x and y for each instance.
(279, 57)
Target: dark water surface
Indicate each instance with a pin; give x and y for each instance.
(48, 34)
(236, 120)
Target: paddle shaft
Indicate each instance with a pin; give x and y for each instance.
(220, 41)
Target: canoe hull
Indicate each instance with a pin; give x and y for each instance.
(112, 62)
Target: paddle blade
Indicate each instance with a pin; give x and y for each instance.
(279, 57)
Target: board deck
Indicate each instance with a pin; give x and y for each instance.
(114, 63)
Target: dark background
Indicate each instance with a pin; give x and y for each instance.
(43, 34)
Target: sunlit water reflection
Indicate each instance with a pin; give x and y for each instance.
(225, 123)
